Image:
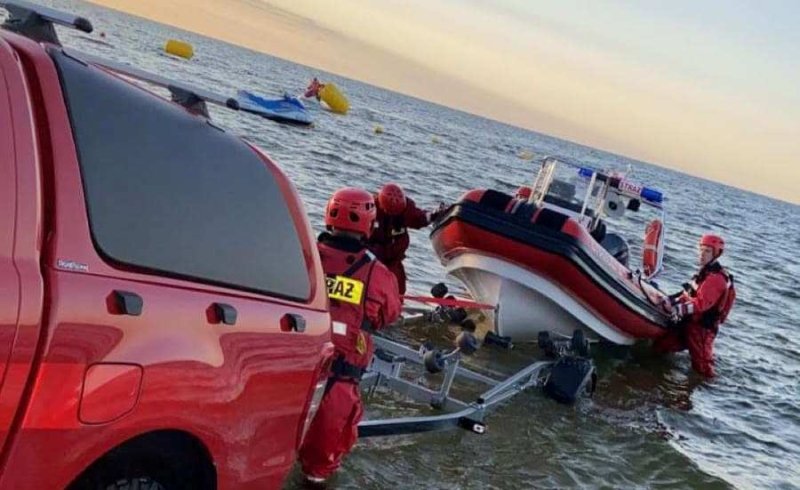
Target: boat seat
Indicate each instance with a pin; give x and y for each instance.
(495, 200)
(523, 211)
(551, 219)
(616, 246)
(567, 204)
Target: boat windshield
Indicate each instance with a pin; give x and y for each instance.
(592, 197)
(561, 185)
(568, 190)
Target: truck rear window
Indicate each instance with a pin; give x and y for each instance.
(169, 193)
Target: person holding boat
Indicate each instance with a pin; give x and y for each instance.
(363, 298)
(701, 308)
(389, 240)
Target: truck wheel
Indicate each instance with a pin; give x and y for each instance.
(136, 477)
(111, 481)
(164, 460)
(134, 484)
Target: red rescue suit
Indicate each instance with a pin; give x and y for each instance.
(702, 307)
(371, 306)
(313, 89)
(390, 240)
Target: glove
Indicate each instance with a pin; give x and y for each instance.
(671, 309)
(666, 304)
(437, 213)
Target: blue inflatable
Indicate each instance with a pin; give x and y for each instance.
(287, 109)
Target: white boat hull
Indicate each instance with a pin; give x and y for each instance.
(527, 303)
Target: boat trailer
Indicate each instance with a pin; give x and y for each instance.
(565, 375)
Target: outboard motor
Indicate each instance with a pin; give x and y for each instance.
(616, 246)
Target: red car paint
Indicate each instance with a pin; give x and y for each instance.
(77, 378)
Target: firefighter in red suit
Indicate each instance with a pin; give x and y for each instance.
(363, 298)
(389, 241)
(700, 309)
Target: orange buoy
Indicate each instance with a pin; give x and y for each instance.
(652, 242)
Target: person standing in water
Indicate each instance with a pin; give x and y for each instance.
(701, 308)
(363, 298)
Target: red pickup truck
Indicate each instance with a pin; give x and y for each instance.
(163, 315)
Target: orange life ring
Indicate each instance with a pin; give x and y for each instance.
(652, 237)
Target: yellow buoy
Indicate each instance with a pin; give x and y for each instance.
(378, 129)
(435, 140)
(525, 155)
(335, 99)
(179, 48)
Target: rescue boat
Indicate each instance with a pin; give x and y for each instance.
(549, 263)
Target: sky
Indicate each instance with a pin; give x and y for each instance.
(710, 88)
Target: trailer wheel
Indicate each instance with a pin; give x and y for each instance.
(546, 343)
(467, 343)
(503, 342)
(579, 344)
(468, 325)
(433, 361)
(439, 290)
(458, 315)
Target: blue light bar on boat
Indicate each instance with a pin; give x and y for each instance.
(651, 195)
(628, 188)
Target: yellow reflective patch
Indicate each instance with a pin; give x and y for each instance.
(361, 343)
(345, 289)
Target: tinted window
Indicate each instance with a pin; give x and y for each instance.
(168, 192)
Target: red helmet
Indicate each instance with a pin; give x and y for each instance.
(392, 199)
(714, 242)
(524, 192)
(351, 209)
